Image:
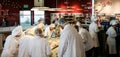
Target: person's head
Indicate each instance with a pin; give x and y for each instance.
(40, 21)
(62, 23)
(29, 32)
(17, 32)
(38, 32)
(113, 23)
(52, 26)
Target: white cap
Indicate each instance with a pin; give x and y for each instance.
(94, 18)
(17, 30)
(52, 25)
(113, 22)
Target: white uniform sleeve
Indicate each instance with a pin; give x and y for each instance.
(13, 47)
(46, 32)
(62, 46)
(48, 48)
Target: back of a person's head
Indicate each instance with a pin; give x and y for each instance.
(40, 21)
(38, 31)
(62, 21)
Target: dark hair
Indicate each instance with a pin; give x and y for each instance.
(62, 21)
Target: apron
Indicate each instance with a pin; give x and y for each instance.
(112, 45)
(95, 38)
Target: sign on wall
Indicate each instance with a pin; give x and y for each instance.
(39, 3)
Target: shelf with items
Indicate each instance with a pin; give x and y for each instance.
(70, 19)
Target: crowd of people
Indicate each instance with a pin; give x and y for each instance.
(74, 42)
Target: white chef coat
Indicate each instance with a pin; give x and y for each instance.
(111, 40)
(23, 46)
(86, 38)
(93, 29)
(48, 33)
(71, 44)
(11, 44)
(10, 47)
(39, 47)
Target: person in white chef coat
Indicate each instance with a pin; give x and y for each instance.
(49, 30)
(11, 43)
(111, 32)
(24, 42)
(93, 30)
(87, 40)
(39, 47)
(71, 44)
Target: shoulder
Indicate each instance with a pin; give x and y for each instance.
(9, 36)
(110, 28)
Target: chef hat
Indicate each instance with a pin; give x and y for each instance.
(52, 25)
(17, 30)
(94, 18)
(113, 22)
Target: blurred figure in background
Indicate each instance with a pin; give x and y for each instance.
(4, 22)
(71, 44)
(11, 44)
(39, 47)
(57, 21)
(24, 43)
(49, 30)
(111, 32)
(86, 38)
(94, 29)
(40, 24)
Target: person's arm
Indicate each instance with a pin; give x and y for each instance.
(46, 33)
(62, 46)
(48, 50)
(14, 47)
(97, 29)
